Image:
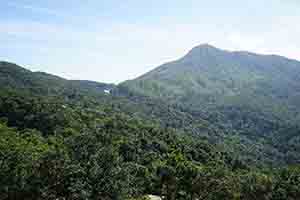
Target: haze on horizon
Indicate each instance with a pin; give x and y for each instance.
(112, 41)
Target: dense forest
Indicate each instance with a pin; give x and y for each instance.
(64, 139)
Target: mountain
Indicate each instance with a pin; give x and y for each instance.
(251, 96)
(210, 75)
(15, 77)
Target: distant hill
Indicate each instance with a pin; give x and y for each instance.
(15, 77)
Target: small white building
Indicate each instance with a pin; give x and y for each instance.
(154, 197)
(107, 91)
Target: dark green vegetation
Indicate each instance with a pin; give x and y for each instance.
(162, 134)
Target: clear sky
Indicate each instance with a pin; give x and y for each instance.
(116, 40)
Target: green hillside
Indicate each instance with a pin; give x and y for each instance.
(254, 97)
(13, 76)
(65, 139)
(210, 75)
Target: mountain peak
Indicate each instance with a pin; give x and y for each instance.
(203, 49)
(205, 46)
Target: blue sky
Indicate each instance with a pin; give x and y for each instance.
(112, 41)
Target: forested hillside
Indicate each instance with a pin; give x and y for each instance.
(62, 139)
(14, 76)
(253, 97)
